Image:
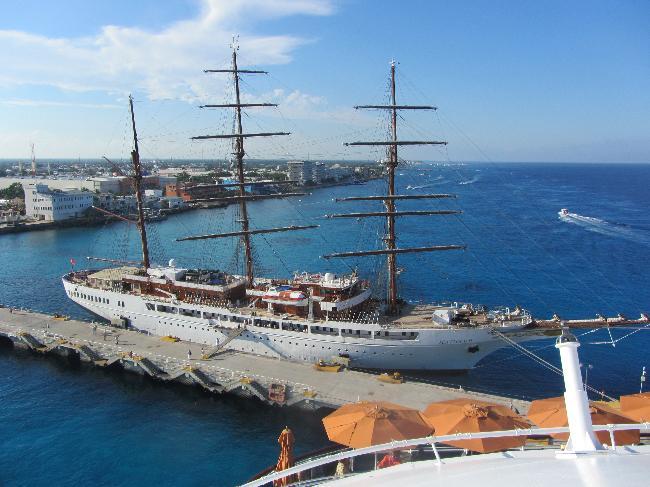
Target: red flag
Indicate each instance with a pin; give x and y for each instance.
(73, 262)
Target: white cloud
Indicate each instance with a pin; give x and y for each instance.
(162, 64)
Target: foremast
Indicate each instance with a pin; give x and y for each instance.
(391, 249)
(239, 153)
(137, 182)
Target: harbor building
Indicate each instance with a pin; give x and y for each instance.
(300, 171)
(319, 173)
(43, 203)
(189, 192)
(103, 184)
(172, 202)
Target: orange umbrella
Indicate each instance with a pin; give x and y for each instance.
(472, 416)
(637, 406)
(551, 413)
(371, 423)
(285, 460)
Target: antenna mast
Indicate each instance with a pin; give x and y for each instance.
(33, 162)
(137, 180)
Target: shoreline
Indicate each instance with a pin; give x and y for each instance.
(97, 221)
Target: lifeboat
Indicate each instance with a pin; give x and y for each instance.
(285, 295)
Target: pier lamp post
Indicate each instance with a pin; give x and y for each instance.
(642, 380)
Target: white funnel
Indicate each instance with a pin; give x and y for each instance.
(581, 431)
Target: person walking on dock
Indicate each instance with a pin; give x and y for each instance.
(95, 329)
(117, 339)
(189, 355)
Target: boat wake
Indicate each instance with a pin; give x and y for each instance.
(437, 180)
(604, 227)
(470, 181)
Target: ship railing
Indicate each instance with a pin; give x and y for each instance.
(433, 442)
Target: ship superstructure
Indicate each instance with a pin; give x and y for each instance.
(305, 317)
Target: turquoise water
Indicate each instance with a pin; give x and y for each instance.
(72, 425)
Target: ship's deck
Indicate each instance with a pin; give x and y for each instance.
(411, 316)
(420, 316)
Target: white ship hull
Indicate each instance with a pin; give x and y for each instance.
(433, 348)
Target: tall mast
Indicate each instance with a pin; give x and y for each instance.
(390, 203)
(239, 157)
(239, 153)
(391, 250)
(137, 179)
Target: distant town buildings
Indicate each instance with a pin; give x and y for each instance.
(10, 216)
(189, 191)
(43, 203)
(105, 184)
(173, 202)
(312, 173)
(299, 171)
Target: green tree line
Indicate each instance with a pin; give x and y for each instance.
(13, 191)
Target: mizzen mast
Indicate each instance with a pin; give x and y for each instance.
(391, 250)
(137, 181)
(239, 153)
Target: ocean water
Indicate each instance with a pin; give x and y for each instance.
(65, 425)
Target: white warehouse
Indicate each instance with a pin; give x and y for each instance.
(43, 203)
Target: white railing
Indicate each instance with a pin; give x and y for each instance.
(432, 441)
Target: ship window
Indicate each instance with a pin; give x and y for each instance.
(150, 306)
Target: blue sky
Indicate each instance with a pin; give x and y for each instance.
(514, 81)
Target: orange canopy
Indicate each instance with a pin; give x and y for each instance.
(472, 416)
(551, 413)
(636, 406)
(285, 460)
(371, 423)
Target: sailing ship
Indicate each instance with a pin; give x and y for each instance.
(308, 317)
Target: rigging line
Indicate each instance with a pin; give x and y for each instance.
(533, 293)
(527, 258)
(518, 353)
(277, 255)
(271, 140)
(505, 244)
(631, 333)
(318, 231)
(528, 353)
(545, 363)
(590, 264)
(540, 269)
(483, 265)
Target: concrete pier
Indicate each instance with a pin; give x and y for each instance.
(224, 372)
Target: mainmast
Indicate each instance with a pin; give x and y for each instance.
(390, 203)
(391, 250)
(137, 180)
(239, 153)
(239, 156)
